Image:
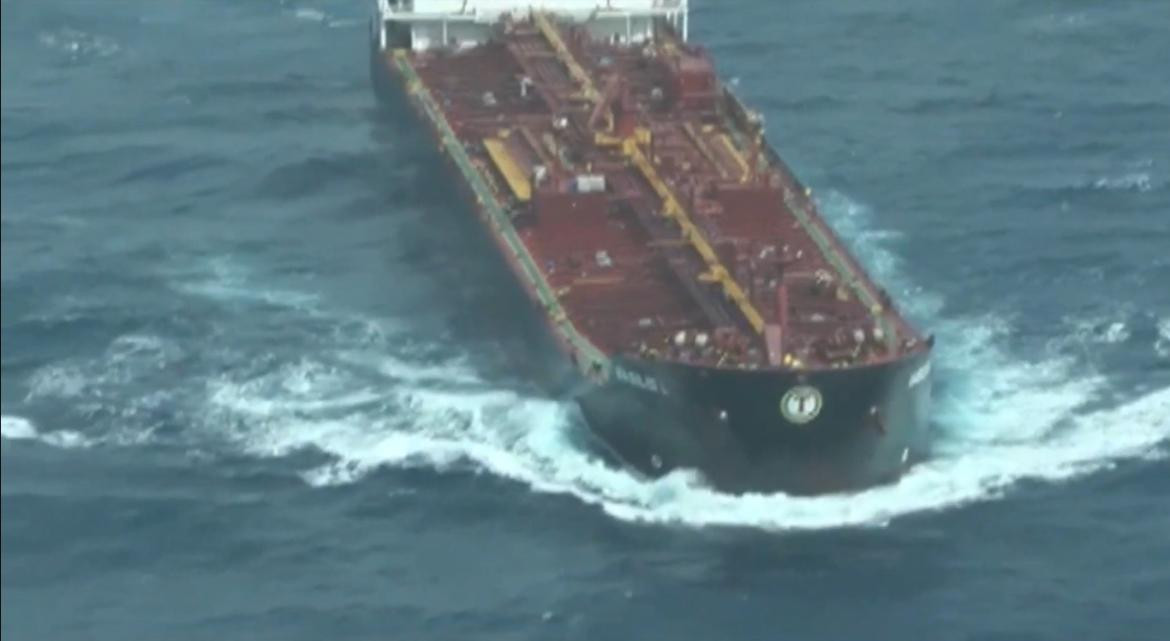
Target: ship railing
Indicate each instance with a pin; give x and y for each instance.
(598, 361)
(436, 26)
(799, 201)
(582, 11)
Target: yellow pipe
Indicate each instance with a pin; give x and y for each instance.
(674, 210)
(701, 145)
(558, 44)
(671, 207)
(745, 171)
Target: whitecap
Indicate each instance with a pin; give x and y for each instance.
(309, 14)
(57, 381)
(128, 357)
(66, 439)
(223, 279)
(1135, 181)
(400, 369)
(1117, 332)
(18, 428)
(1112, 329)
(78, 45)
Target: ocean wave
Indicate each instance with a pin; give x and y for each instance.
(1108, 329)
(222, 279)
(128, 358)
(18, 428)
(933, 105)
(1135, 176)
(312, 14)
(306, 176)
(79, 46)
(1135, 181)
(123, 395)
(1090, 335)
(57, 381)
(1060, 23)
(399, 370)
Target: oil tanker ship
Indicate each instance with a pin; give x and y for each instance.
(714, 319)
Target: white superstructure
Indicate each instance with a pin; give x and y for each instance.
(457, 24)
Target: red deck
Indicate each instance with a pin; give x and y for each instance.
(592, 142)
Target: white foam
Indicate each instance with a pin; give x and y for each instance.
(17, 428)
(79, 45)
(229, 281)
(1135, 181)
(1117, 332)
(66, 439)
(400, 369)
(128, 358)
(130, 344)
(310, 14)
(302, 389)
(57, 381)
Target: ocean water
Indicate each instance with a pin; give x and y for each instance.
(260, 373)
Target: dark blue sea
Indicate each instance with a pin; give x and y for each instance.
(259, 374)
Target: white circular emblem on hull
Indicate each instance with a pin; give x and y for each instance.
(801, 404)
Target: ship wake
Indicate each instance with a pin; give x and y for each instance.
(999, 420)
(1023, 421)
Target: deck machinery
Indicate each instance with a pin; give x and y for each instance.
(675, 260)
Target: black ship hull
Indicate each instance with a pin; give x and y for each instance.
(797, 432)
(844, 429)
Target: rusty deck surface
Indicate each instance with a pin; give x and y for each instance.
(649, 199)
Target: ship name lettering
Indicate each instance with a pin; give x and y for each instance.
(638, 380)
